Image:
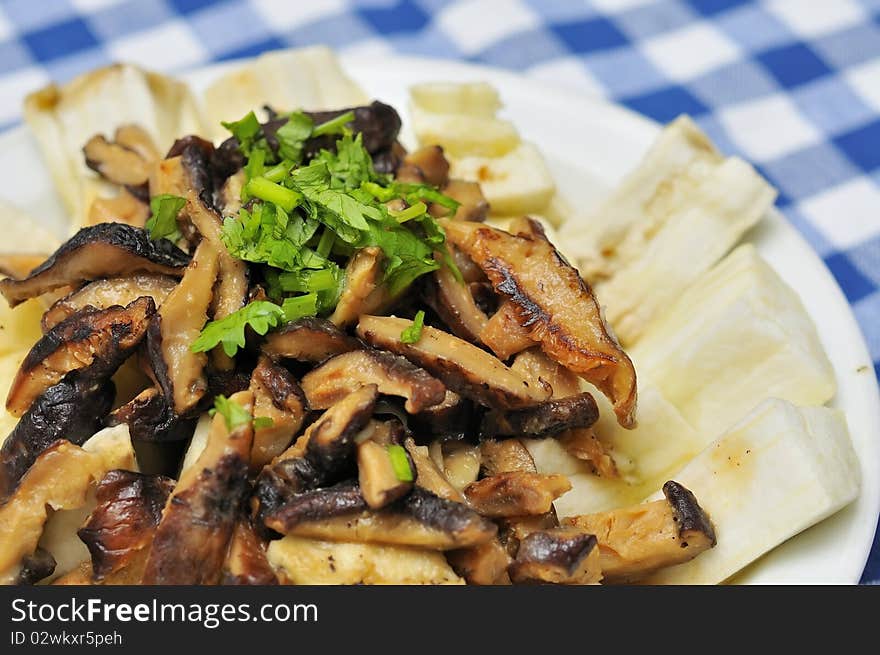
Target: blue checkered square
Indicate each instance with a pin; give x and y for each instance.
(851, 46)
(60, 39)
(523, 49)
(404, 16)
(30, 15)
(590, 35)
(861, 145)
(753, 28)
(733, 83)
(793, 64)
(810, 170)
(625, 72)
(832, 105)
(665, 104)
(712, 7)
(853, 282)
(119, 20)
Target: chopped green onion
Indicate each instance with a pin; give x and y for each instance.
(300, 307)
(334, 125)
(287, 199)
(325, 244)
(261, 422)
(400, 463)
(278, 172)
(414, 332)
(410, 212)
(306, 280)
(235, 414)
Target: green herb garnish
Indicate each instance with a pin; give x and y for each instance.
(235, 414)
(163, 223)
(229, 332)
(414, 332)
(400, 463)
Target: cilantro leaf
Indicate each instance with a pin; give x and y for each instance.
(235, 415)
(163, 223)
(229, 332)
(414, 332)
(334, 125)
(246, 130)
(292, 136)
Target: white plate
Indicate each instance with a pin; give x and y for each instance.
(590, 145)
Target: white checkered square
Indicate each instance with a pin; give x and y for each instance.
(847, 214)
(768, 128)
(569, 72)
(617, 6)
(171, 46)
(865, 79)
(14, 87)
(686, 53)
(296, 13)
(473, 26)
(86, 6)
(810, 18)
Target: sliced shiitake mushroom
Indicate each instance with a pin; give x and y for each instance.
(454, 304)
(309, 340)
(472, 204)
(453, 418)
(150, 417)
(516, 493)
(378, 479)
(115, 162)
(246, 562)
(362, 291)
(394, 375)
(504, 334)
(280, 399)
(483, 564)
(504, 457)
(125, 207)
(546, 419)
(636, 541)
(558, 556)
(98, 251)
(463, 367)
(428, 474)
(427, 165)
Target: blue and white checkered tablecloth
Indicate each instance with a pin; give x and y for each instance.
(791, 85)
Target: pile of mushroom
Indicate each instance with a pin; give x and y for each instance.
(385, 460)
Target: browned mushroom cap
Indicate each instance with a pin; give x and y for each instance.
(461, 366)
(504, 457)
(455, 305)
(151, 418)
(120, 529)
(115, 162)
(93, 341)
(35, 567)
(555, 303)
(309, 340)
(428, 475)
(125, 207)
(516, 493)
(191, 541)
(279, 398)
(246, 562)
(504, 334)
(558, 556)
(428, 165)
(376, 475)
(362, 290)
(484, 564)
(512, 530)
(547, 419)
(636, 541)
(102, 294)
(105, 250)
(419, 519)
(73, 410)
(454, 417)
(18, 266)
(394, 375)
(472, 204)
(177, 369)
(583, 444)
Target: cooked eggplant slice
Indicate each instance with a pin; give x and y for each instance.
(379, 482)
(547, 419)
(461, 366)
(636, 541)
(394, 375)
(94, 342)
(177, 369)
(484, 564)
(419, 519)
(279, 398)
(454, 304)
(102, 294)
(99, 251)
(73, 410)
(516, 493)
(115, 162)
(362, 290)
(198, 520)
(151, 418)
(504, 334)
(120, 529)
(558, 556)
(555, 303)
(504, 457)
(309, 340)
(246, 562)
(428, 474)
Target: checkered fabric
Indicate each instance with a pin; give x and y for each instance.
(791, 85)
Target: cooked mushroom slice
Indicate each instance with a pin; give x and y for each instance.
(102, 294)
(455, 305)
(484, 564)
(516, 493)
(72, 410)
(362, 290)
(95, 342)
(636, 541)
(428, 165)
(459, 461)
(549, 418)
(555, 303)
(120, 529)
(428, 475)
(151, 418)
(377, 123)
(125, 207)
(246, 562)
(198, 520)
(105, 250)
(453, 418)
(229, 196)
(277, 397)
(178, 370)
(394, 375)
(379, 480)
(137, 139)
(583, 444)
(504, 457)
(419, 519)
(472, 204)
(116, 162)
(18, 266)
(309, 340)
(512, 531)
(558, 556)
(504, 334)
(463, 367)
(36, 566)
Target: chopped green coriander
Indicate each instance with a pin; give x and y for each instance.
(229, 332)
(292, 136)
(163, 223)
(414, 332)
(261, 422)
(299, 307)
(235, 414)
(400, 463)
(411, 212)
(245, 130)
(286, 199)
(307, 281)
(334, 125)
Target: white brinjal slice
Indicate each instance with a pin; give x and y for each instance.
(557, 556)
(309, 340)
(420, 518)
(120, 529)
(73, 410)
(93, 342)
(516, 493)
(555, 303)
(99, 251)
(102, 294)
(639, 540)
(279, 398)
(504, 334)
(246, 562)
(463, 367)
(377, 477)
(178, 370)
(393, 374)
(546, 419)
(198, 520)
(362, 291)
